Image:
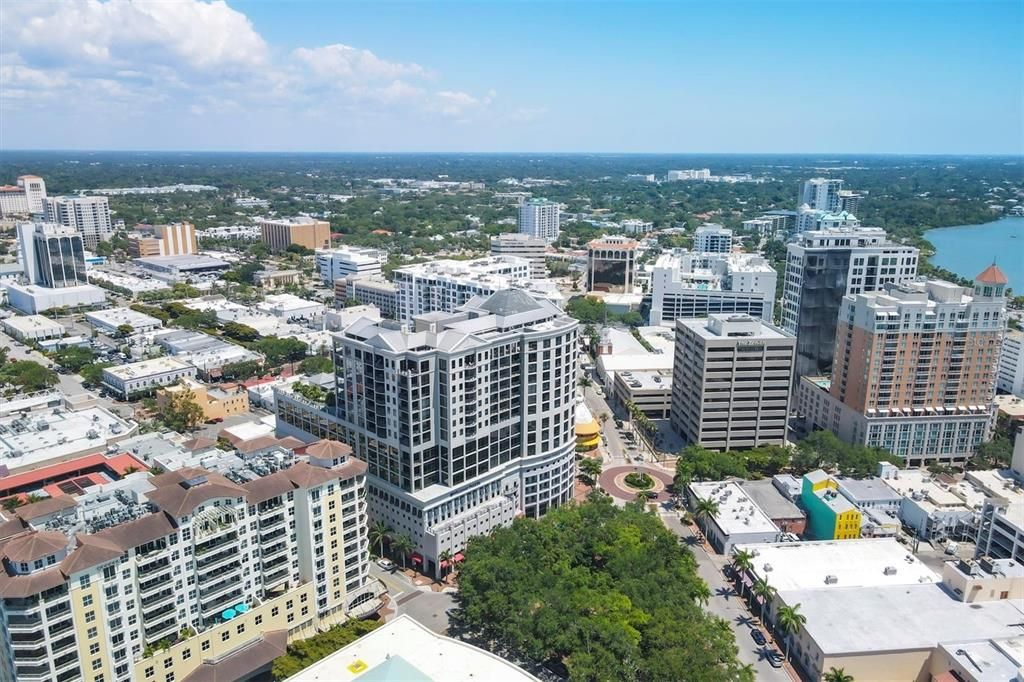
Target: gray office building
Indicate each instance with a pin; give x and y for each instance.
(53, 256)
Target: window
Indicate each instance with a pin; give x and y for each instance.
(259, 619)
(91, 632)
(87, 600)
(274, 611)
(225, 636)
(169, 677)
(241, 628)
(168, 663)
(149, 671)
(94, 649)
(206, 645)
(83, 582)
(97, 663)
(186, 654)
(90, 616)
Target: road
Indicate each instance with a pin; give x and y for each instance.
(426, 606)
(726, 604)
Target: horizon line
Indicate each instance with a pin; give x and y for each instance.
(1011, 155)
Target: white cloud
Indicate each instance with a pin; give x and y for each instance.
(202, 58)
(204, 36)
(350, 64)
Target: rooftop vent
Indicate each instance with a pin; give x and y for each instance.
(193, 482)
(889, 570)
(831, 579)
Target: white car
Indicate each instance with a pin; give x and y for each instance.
(386, 564)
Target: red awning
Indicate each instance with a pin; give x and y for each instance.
(458, 557)
(417, 559)
(444, 564)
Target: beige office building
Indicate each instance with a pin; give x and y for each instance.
(177, 239)
(280, 233)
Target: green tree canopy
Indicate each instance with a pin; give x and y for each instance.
(27, 376)
(182, 413)
(607, 592)
(74, 358)
(316, 364)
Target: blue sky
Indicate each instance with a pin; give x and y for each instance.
(858, 77)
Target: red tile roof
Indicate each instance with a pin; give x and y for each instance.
(118, 464)
(992, 275)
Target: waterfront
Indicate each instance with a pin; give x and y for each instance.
(969, 249)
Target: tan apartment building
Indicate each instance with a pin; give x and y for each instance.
(176, 239)
(914, 369)
(280, 233)
(217, 402)
(189, 575)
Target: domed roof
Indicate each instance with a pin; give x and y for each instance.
(992, 275)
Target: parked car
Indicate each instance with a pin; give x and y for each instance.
(775, 659)
(386, 564)
(758, 637)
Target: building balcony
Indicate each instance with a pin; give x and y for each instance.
(58, 610)
(60, 628)
(218, 588)
(149, 566)
(33, 673)
(275, 578)
(155, 599)
(270, 522)
(219, 604)
(31, 656)
(157, 612)
(216, 540)
(211, 559)
(154, 585)
(161, 630)
(272, 535)
(24, 623)
(217, 572)
(21, 605)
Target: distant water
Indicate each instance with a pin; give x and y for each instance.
(969, 249)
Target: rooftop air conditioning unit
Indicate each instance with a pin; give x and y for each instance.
(831, 579)
(889, 570)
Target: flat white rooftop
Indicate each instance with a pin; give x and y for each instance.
(925, 487)
(999, 659)
(33, 324)
(114, 317)
(56, 434)
(1000, 483)
(849, 620)
(403, 650)
(854, 563)
(737, 511)
(147, 368)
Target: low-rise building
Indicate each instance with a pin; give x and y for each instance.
(830, 515)
(142, 378)
(404, 649)
(936, 507)
(649, 391)
(619, 351)
(1001, 526)
(984, 579)
(289, 307)
(187, 268)
(208, 354)
(110, 320)
(739, 520)
(272, 279)
(588, 429)
(217, 402)
(781, 510)
(32, 328)
(336, 320)
(42, 433)
(33, 299)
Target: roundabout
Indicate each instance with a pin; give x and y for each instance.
(613, 482)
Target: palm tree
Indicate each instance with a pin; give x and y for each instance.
(742, 561)
(403, 547)
(837, 675)
(585, 382)
(590, 470)
(705, 509)
(445, 558)
(790, 621)
(702, 593)
(765, 591)
(379, 532)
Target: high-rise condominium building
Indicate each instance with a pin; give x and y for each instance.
(823, 266)
(821, 194)
(915, 369)
(539, 218)
(731, 380)
(522, 245)
(24, 198)
(686, 285)
(611, 264)
(349, 261)
(444, 285)
(186, 575)
(1010, 377)
(712, 238)
(465, 420)
(849, 201)
(53, 256)
(176, 239)
(280, 233)
(90, 216)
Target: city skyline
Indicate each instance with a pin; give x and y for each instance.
(906, 78)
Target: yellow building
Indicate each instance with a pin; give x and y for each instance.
(830, 516)
(280, 233)
(216, 402)
(588, 429)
